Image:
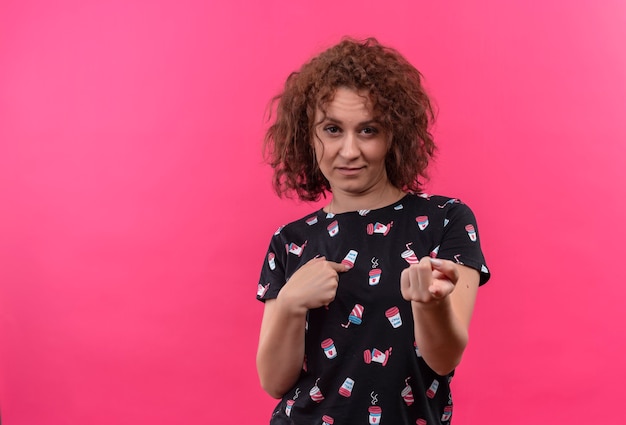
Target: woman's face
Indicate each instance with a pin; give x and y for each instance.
(350, 145)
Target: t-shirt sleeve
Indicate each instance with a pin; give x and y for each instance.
(460, 241)
(272, 277)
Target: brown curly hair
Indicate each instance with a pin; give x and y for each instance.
(399, 103)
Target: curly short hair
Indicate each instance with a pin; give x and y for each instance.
(399, 103)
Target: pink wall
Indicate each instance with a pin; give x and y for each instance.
(135, 211)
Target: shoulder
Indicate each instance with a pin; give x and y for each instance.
(299, 226)
(436, 203)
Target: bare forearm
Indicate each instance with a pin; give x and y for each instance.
(281, 344)
(281, 350)
(440, 336)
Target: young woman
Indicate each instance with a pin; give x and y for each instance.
(368, 300)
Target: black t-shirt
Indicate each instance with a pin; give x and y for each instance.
(361, 364)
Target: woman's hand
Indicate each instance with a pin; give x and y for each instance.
(442, 295)
(313, 285)
(429, 281)
(281, 342)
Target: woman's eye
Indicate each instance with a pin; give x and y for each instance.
(369, 130)
(332, 129)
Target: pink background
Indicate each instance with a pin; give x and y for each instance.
(135, 210)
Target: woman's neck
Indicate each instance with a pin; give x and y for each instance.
(342, 202)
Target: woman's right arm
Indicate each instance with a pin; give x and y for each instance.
(281, 348)
(281, 342)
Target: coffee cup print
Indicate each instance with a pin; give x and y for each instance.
(447, 413)
(471, 232)
(379, 228)
(333, 228)
(346, 387)
(329, 348)
(311, 220)
(432, 390)
(409, 255)
(350, 258)
(261, 290)
(417, 350)
(316, 393)
(295, 249)
(375, 355)
(289, 406)
(327, 420)
(407, 393)
(375, 277)
(393, 315)
(420, 422)
(356, 315)
(422, 221)
(271, 260)
(375, 414)
(434, 252)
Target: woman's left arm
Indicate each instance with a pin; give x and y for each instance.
(442, 295)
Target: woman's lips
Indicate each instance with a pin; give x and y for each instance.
(349, 171)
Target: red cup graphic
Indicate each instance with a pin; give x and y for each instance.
(333, 228)
(434, 252)
(471, 232)
(271, 260)
(327, 420)
(432, 390)
(410, 257)
(407, 395)
(289, 406)
(261, 290)
(447, 413)
(375, 276)
(329, 348)
(393, 314)
(377, 227)
(422, 221)
(375, 414)
(311, 220)
(316, 394)
(356, 315)
(417, 350)
(350, 258)
(420, 422)
(346, 387)
(377, 356)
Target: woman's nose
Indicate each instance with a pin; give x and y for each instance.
(349, 146)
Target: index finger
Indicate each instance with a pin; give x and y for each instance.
(339, 267)
(447, 267)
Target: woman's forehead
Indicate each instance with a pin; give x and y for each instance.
(344, 100)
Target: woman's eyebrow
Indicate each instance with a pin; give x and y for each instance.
(338, 121)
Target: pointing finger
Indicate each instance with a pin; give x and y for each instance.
(448, 268)
(338, 267)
